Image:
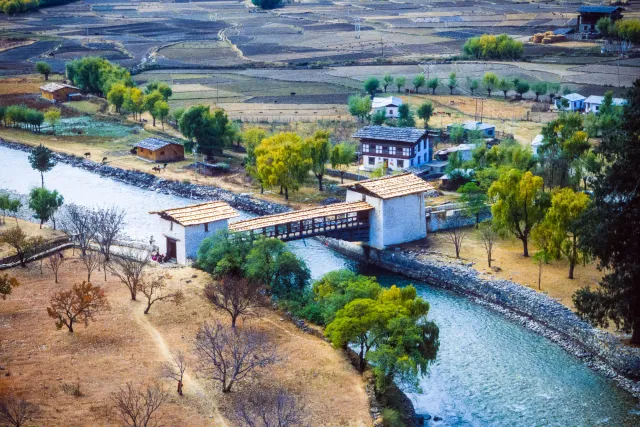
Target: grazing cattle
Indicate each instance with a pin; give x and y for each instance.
(104, 160)
(164, 166)
(156, 169)
(87, 154)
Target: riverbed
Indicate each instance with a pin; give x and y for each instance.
(489, 370)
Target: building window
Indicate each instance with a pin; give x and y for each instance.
(406, 151)
(390, 112)
(162, 153)
(392, 150)
(378, 149)
(372, 160)
(365, 148)
(400, 163)
(206, 227)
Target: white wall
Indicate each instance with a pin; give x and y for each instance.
(195, 234)
(177, 233)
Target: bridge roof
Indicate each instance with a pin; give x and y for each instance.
(392, 186)
(301, 215)
(198, 214)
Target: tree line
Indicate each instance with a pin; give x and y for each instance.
(489, 46)
(23, 117)
(623, 29)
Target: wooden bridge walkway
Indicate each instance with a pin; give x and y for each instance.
(346, 221)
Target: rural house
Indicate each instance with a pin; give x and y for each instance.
(574, 102)
(488, 131)
(536, 144)
(159, 150)
(465, 152)
(388, 105)
(592, 103)
(395, 148)
(58, 92)
(589, 16)
(398, 214)
(181, 230)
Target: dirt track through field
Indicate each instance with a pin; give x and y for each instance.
(190, 383)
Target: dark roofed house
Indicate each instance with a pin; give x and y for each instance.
(590, 15)
(159, 150)
(395, 148)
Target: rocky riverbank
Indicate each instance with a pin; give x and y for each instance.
(599, 349)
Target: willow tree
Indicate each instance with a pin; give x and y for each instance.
(282, 160)
(319, 149)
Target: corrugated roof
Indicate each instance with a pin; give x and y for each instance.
(154, 143)
(301, 215)
(473, 125)
(598, 9)
(595, 99)
(199, 214)
(384, 102)
(392, 186)
(385, 133)
(53, 87)
(573, 97)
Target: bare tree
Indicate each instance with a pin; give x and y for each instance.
(80, 224)
(457, 232)
(128, 267)
(79, 304)
(54, 262)
(270, 408)
(91, 260)
(155, 289)
(139, 407)
(229, 355)
(234, 294)
(109, 224)
(488, 236)
(17, 412)
(175, 369)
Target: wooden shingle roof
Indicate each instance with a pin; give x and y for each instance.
(392, 186)
(284, 218)
(54, 87)
(386, 133)
(198, 214)
(154, 143)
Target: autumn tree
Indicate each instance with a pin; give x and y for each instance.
(319, 149)
(488, 235)
(252, 137)
(20, 242)
(6, 284)
(520, 204)
(54, 262)
(490, 81)
(116, 96)
(80, 304)
(138, 407)
(560, 227)
(229, 355)
(52, 116)
(155, 289)
(175, 369)
(342, 156)
(283, 161)
(134, 101)
(129, 266)
(236, 295)
(17, 412)
(425, 111)
(42, 160)
(44, 204)
(270, 407)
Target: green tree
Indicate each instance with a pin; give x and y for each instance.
(161, 111)
(117, 95)
(267, 4)
(150, 102)
(553, 89)
(44, 69)
(540, 258)
(520, 204)
(283, 161)
(493, 47)
(371, 85)
(611, 227)
(425, 111)
(360, 107)
(42, 160)
(401, 82)
(418, 81)
(433, 84)
(379, 117)
(521, 87)
(223, 254)
(540, 88)
(52, 116)
(387, 79)
(134, 101)
(473, 84)
(474, 198)
(453, 82)
(405, 116)
(252, 137)
(490, 81)
(44, 204)
(97, 75)
(319, 148)
(505, 86)
(7, 204)
(342, 156)
(560, 227)
(211, 132)
(162, 87)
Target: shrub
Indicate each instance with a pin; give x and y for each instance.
(391, 418)
(267, 4)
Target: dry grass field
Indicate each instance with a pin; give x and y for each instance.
(40, 362)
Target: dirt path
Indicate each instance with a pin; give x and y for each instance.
(189, 381)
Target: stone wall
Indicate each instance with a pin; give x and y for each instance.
(599, 349)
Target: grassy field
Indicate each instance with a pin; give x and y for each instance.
(42, 363)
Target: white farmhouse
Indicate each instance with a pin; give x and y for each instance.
(536, 143)
(592, 103)
(465, 152)
(575, 102)
(389, 105)
(395, 148)
(181, 230)
(399, 212)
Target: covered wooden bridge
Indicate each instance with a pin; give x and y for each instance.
(346, 221)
